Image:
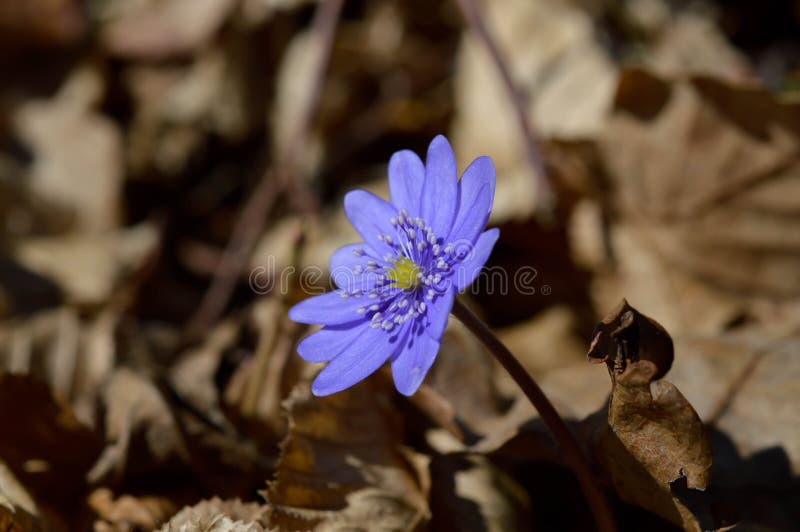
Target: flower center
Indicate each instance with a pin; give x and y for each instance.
(404, 275)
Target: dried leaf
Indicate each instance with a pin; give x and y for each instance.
(89, 269)
(706, 176)
(342, 466)
(44, 444)
(126, 512)
(557, 62)
(134, 406)
(77, 168)
(157, 29)
(652, 435)
(216, 515)
(469, 493)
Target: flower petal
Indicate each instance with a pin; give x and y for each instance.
(412, 363)
(469, 268)
(475, 197)
(328, 309)
(328, 342)
(438, 312)
(370, 215)
(406, 177)
(344, 267)
(358, 361)
(440, 190)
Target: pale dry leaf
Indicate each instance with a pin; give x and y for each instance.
(18, 510)
(704, 175)
(158, 29)
(134, 405)
(74, 354)
(126, 512)
(556, 60)
(764, 411)
(77, 168)
(193, 376)
(342, 466)
(216, 515)
(470, 493)
(89, 269)
(693, 44)
(294, 85)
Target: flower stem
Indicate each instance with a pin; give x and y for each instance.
(570, 449)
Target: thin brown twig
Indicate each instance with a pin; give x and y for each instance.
(275, 181)
(570, 449)
(475, 20)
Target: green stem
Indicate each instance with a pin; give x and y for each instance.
(570, 449)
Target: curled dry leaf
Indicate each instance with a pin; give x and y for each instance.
(342, 466)
(650, 435)
(216, 515)
(626, 336)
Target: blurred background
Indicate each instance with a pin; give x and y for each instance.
(165, 163)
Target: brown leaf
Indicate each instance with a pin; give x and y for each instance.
(342, 466)
(626, 336)
(651, 435)
(45, 445)
(705, 176)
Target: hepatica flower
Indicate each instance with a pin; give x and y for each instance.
(396, 289)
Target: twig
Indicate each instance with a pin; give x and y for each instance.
(570, 449)
(475, 19)
(275, 181)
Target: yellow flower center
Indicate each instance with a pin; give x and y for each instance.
(404, 274)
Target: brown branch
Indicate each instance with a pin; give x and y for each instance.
(570, 449)
(275, 181)
(475, 20)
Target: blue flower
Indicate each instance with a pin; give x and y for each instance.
(396, 289)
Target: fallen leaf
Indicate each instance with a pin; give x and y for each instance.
(470, 493)
(650, 435)
(342, 466)
(704, 175)
(557, 62)
(156, 29)
(44, 444)
(89, 269)
(134, 406)
(216, 515)
(127, 512)
(77, 156)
